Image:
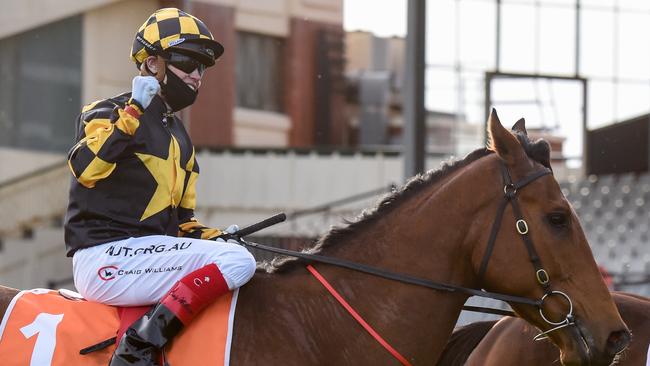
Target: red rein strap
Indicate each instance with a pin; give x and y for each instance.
(358, 317)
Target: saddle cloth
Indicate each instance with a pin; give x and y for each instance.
(43, 328)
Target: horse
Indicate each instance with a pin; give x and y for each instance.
(440, 227)
(509, 341)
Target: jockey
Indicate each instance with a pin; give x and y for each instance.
(130, 224)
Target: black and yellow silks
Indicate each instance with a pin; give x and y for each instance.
(132, 177)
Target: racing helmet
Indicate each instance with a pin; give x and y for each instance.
(171, 29)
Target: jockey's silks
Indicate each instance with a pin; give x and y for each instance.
(131, 177)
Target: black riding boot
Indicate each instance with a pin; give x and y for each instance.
(143, 342)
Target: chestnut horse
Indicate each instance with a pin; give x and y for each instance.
(509, 341)
(440, 227)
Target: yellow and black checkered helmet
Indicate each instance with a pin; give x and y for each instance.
(171, 29)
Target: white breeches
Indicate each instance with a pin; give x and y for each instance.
(139, 271)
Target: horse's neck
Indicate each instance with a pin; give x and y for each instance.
(425, 236)
(415, 238)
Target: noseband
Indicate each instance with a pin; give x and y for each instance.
(510, 190)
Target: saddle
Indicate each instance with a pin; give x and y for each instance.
(46, 327)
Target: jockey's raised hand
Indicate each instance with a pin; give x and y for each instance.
(143, 89)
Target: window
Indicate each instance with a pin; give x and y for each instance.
(40, 92)
(259, 72)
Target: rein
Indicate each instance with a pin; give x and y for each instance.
(412, 280)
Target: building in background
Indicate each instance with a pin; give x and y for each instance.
(375, 79)
(279, 83)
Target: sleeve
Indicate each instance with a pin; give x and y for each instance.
(189, 226)
(104, 131)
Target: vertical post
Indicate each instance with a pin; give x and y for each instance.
(497, 38)
(585, 127)
(414, 111)
(577, 41)
(488, 102)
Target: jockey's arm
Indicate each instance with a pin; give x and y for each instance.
(189, 226)
(194, 229)
(104, 132)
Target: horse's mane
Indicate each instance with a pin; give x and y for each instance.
(463, 341)
(538, 151)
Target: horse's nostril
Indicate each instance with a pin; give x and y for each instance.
(617, 341)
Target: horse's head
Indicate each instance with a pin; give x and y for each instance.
(538, 222)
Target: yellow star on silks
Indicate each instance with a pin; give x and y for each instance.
(169, 176)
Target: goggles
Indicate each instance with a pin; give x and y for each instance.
(185, 63)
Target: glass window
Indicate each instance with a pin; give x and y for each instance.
(473, 96)
(518, 38)
(632, 100)
(442, 90)
(259, 72)
(553, 105)
(40, 92)
(601, 106)
(560, 3)
(602, 4)
(633, 56)
(596, 43)
(441, 37)
(477, 34)
(557, 40)
(634, 5)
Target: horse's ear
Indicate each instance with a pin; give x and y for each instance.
(520, 126)
(503, 142)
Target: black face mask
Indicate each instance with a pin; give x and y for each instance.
(177, 94)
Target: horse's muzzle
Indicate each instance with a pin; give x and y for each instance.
(617, 342)
(587, 353)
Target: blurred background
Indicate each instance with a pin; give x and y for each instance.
(305, 112)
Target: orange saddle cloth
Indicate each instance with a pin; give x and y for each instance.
(43, 328)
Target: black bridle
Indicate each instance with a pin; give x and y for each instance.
(510, 190)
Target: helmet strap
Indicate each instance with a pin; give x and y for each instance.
(161, 66)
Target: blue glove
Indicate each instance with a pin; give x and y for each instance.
(143, 89)
(228, 235)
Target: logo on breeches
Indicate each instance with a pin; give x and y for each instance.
(107, 273)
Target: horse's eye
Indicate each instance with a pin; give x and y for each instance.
(558, 219)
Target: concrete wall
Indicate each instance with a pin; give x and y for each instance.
(16, 162)
(33, 262)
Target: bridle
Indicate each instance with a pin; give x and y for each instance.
(510, 190)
